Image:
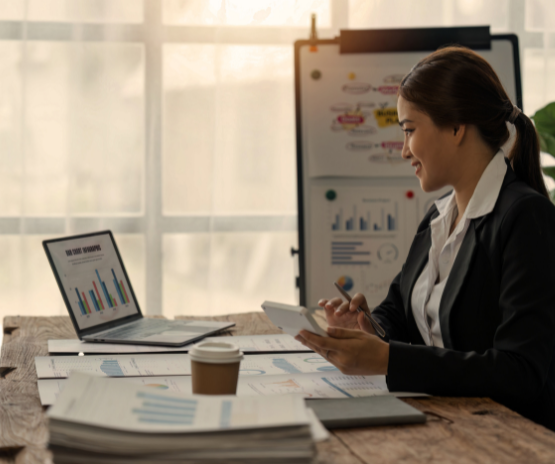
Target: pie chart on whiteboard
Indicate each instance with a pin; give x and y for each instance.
(346, 283)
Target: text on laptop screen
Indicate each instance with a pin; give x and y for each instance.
(93, 279)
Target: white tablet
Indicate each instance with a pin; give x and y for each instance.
(293, 319)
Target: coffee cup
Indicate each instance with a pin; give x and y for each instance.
(215, 368)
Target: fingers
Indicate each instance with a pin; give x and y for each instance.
(356, 354)
(339, 332)
(333, 303)
(313, 347)
(359, 300)
(336, 307)
(321, 343)
(342, 309)
(331, 306)
(365, 324)
(322, 303)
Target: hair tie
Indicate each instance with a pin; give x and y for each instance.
(514, 114)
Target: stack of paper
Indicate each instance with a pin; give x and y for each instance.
(98, 421)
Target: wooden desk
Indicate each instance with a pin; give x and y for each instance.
(459, 430)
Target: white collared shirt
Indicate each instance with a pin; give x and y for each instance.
(428, 289)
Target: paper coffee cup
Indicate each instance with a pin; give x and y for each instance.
(215, 368)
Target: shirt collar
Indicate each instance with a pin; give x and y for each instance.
(443, 204)
(485, 194)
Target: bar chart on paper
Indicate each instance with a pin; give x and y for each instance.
(360, 236)
(368, 215)
(51, 367)
(158, 409)
(361, 239)
(356, 221)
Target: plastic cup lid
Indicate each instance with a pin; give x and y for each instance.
(216, 352)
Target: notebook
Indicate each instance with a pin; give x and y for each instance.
(363, 412)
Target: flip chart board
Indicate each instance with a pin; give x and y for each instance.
(359, 202)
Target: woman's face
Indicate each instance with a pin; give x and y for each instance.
(428, 147)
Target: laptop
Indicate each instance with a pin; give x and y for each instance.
(100, 299)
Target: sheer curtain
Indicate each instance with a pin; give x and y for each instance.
(172, 123)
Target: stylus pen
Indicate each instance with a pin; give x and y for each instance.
(377, 327)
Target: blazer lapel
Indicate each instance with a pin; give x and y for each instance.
(416, 260)
(455, 281)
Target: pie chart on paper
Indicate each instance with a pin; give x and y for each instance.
(346, 283)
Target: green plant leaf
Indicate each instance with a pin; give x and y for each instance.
(547, 143)
(544, 119)
(549, 171)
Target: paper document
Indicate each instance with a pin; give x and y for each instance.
(122, 406)
(247, 343)
(350, 122)
(309, 385)
(252, 365)
(49, 389)
(317, 429)
(278, 343)
(128, 365)
(315, 385)
(287, 363)
(360, 236)
(114, 365)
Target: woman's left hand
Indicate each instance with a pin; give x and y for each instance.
(353, 352)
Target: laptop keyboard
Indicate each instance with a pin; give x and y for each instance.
(147, 327)
(142, 328)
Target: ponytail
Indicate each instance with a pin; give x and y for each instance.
(525, 154)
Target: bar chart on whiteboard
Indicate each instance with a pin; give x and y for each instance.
(361, 236)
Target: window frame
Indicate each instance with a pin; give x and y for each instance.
(151, 223)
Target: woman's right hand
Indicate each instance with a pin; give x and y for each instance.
(340, 313)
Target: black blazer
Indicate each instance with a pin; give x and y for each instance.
(497, 312)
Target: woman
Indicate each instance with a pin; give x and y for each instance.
(472, 313)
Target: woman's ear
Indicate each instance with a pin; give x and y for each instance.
(458, 133)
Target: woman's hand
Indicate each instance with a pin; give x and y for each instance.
(340, 313)
(353, 352)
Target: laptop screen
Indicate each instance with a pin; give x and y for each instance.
(91, 275)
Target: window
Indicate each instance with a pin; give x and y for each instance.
(171, 122)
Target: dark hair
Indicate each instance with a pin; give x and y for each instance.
(455, 85)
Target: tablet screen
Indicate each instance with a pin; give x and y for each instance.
(92, 278)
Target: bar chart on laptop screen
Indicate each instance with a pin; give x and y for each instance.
(107, 298)
(93, 279)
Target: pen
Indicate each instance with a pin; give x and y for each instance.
(377, 327)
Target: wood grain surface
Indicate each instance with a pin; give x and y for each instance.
(459, 430)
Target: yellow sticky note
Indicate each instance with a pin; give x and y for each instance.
(386, 117)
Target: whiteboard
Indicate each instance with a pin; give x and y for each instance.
(359, 201)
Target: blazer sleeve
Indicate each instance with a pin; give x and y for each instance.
(391, 314)
(517, 365)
